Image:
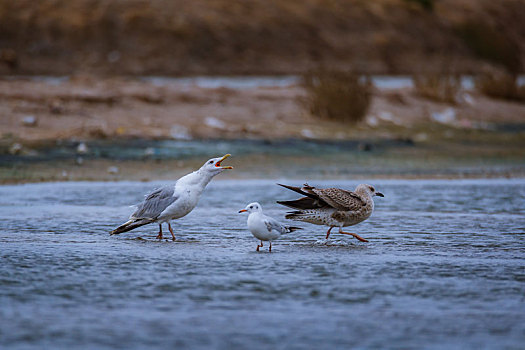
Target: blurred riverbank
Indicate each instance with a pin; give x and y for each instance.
(116, 90)
(293, 159)
(85, 128)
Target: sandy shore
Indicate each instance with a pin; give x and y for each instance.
(90, 108)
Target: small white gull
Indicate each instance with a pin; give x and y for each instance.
(264, 227)
(173, 202)
(333, 207)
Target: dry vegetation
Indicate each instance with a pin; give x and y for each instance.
(257, 36)
(491, 43)
(504, 86)
(438, 87)
(339, 96)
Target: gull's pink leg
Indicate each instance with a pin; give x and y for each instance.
(352, 234)
(259, 246)
(270, 250)
(159, 236)
(171, 231)
(328, 233)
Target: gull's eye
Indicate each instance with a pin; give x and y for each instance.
(210, 162)
(251, 207)
(372, 189)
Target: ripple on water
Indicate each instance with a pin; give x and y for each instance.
(444, 265)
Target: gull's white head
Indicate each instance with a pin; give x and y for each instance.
(252, 208)
(214, 165)
(364, 188)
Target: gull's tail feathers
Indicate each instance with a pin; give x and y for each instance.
(303, 203)
(295, 215)
(130, 225)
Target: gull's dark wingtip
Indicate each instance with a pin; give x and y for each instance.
(299, 190)
(293, 188)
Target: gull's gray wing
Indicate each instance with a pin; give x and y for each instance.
(272, 224)
(155, 203)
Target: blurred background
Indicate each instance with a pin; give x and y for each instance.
(144, 90)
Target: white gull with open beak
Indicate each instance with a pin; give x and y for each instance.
(173, 202)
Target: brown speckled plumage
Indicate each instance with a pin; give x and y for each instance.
(332, 207)
(340, 199)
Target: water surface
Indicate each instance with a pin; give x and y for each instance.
(444, 268)
(384, 82)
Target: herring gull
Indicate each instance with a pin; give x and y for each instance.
(173, 202)
(333, 207)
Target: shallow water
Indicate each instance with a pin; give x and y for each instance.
(444, 268)
(384, 82)
(138, 149)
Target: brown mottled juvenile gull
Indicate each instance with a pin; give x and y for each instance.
(173, 202)
(333, 207)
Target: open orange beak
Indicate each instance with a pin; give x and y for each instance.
(218, 164)
(243, 211)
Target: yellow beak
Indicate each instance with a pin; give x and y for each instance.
(218, 164)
